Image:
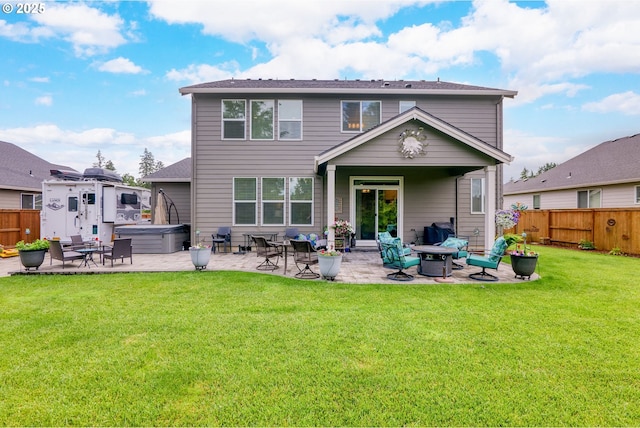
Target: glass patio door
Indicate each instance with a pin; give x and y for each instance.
(376, 208)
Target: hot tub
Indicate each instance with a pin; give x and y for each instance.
(154, 238)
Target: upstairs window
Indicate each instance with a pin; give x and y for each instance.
(637, 194)
(359, 116)
(233, 119)
(477, 195)
(589, 198)
(262, 119)
(290, 119)
(406, 105)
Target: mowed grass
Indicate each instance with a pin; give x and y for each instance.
(233, 348)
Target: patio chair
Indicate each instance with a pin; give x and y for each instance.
(490, 261)
(56, 252)
(221, 237)
(387, 237)
(304, 253)
(121, 249)
(76, 242)
(267, 250)
(460, 243)
(394, 254)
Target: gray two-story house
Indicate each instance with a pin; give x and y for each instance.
(385, 155)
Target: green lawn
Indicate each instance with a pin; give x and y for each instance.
(232, 348)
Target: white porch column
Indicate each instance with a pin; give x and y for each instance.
(490, 207)
(331, 203)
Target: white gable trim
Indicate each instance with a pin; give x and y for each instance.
(413, 114)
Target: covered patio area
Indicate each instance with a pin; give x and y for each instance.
(358, 267)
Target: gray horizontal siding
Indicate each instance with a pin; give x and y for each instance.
(217, 161)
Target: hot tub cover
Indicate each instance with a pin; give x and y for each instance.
(152, 229)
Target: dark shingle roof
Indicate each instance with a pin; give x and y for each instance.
(21, 170)
(340, 86)
(179, 171)
(616, 161)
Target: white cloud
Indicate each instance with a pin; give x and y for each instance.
(88, 29)
(40, 79)
(45, 100)
(627, 103)
(120, 65)
(540, 49)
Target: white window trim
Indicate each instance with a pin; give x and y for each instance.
(222, 137)
(483, 196)
(292, 120)
(637, 195)
(589, 191)
(283, 201)
(273, 119)
(533, 202)
(290, 202)
(360, 131)
(233, 208)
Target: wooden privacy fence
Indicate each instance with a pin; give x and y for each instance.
(606, 228)
(14, 225)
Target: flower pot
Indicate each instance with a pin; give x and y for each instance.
(329, 266)
(32, 258)
(200, 257)
(524, 265)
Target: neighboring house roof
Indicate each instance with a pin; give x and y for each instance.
(414, 113)
(22, 170)
(611, 162)
(337, 86)
(177, 172)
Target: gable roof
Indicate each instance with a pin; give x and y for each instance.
(22, 170)
(337, 86)
(611, 162)
(414, 113)
(177, 172)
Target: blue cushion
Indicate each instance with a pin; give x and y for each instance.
(453, 242)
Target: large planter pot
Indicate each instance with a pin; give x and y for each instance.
(200, 257)
(524, 265)
(32, 258)
(329, 266)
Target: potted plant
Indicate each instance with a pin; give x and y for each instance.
(523, 260)
(343, 230)
(329, 262)
(200, 253)
(32, 254)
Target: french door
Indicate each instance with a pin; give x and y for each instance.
(376, 207)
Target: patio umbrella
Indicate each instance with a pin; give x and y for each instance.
(160, 213)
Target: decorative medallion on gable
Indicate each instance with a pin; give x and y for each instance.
(412, 143)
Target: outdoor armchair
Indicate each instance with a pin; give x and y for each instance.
(268, 251)
(393, 252)
(387, 237)
(489, 261)
(304, 254)
(221, 237)
(121, 249)
(56, 252)
(461, 244)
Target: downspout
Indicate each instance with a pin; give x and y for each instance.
(194, 181)
(457, 205)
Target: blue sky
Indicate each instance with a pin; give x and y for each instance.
(78, 77)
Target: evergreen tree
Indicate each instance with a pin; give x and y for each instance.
(100, 161)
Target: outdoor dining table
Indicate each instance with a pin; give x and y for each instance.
(87, 256)
(434, 259)
(284, 245)
(269, 236)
